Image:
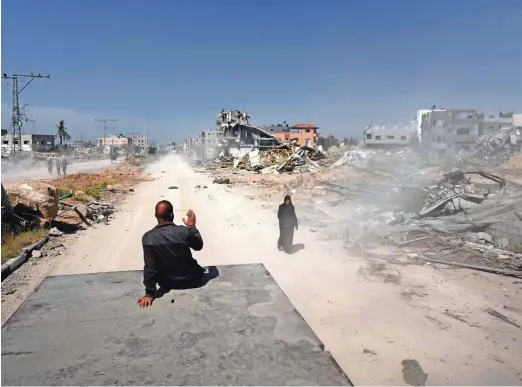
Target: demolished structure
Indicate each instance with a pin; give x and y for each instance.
(233, 136)
(468, 134)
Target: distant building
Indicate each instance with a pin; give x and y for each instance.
(452, 130)
(300, 133)
(140, 142)
(116, 141)
(378, 136)
(517, 120)
(30, 142)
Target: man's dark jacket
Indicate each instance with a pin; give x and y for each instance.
(168, 259)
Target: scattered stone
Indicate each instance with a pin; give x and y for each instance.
(131, 189)
(485, 237)
(221, 180)
(198, 186)
(370, 351)
(36, 253)
(471, 237)
(491, 254)
(502, 243)
(54, 232)
(205, 186)
(173, 187)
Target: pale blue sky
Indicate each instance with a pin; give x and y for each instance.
(338, 64)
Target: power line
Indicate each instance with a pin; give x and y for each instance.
(18, 116)
(105, 126)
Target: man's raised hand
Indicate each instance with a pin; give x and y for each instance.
(190, 221)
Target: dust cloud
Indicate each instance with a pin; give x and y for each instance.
(26, 169)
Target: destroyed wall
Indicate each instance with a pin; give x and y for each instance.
(509, 227)
(455, 130)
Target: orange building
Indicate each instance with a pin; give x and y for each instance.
(299, 132)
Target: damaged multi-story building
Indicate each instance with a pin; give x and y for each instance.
(239, 136)
(233, 135)
(444, 131)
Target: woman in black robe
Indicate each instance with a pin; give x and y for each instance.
(287, 224)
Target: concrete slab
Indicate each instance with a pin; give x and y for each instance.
(240, 329)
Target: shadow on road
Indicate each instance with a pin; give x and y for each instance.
(211, 273)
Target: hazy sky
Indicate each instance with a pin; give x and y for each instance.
(337, 63)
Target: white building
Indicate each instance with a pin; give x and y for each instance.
(30, 142)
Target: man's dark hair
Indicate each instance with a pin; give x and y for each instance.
(164, 210)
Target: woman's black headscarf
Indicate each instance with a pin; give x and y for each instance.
(287, 197)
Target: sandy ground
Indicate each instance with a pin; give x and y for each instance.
(40, 172)
(369, 316)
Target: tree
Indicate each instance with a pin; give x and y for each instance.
(61, 132)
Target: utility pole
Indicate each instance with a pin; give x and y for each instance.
(18, 116)
(146, 130)
(105, 125)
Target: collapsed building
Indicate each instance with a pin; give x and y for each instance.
(233, 136)
(446, 132)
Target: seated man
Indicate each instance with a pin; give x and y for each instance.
(168, 259)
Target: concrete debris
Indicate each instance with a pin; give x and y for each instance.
(54, 232)
(99, 211)
(36, 254)
(285, 158)
(75, 214)
(485, 237)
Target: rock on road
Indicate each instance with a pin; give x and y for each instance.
(366, 324)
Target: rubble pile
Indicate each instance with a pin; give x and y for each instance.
(283, 159)
(99, 212)
(492, 149)
(456, 192)
(258, 160)
(458, 221)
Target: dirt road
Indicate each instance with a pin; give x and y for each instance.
(369, 316)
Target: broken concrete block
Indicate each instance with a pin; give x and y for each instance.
(485, 236)
(55, 232)
(471, 237)
(502, 243)
(491, 254)
(36, 254)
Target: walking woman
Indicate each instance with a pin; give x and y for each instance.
(287, 224)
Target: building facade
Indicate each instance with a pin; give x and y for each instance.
(378, 136)
(139, 141)
(30, 142)
(302, 133)
(116, 141)
(452, 130)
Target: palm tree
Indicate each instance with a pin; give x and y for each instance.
(61, 132)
